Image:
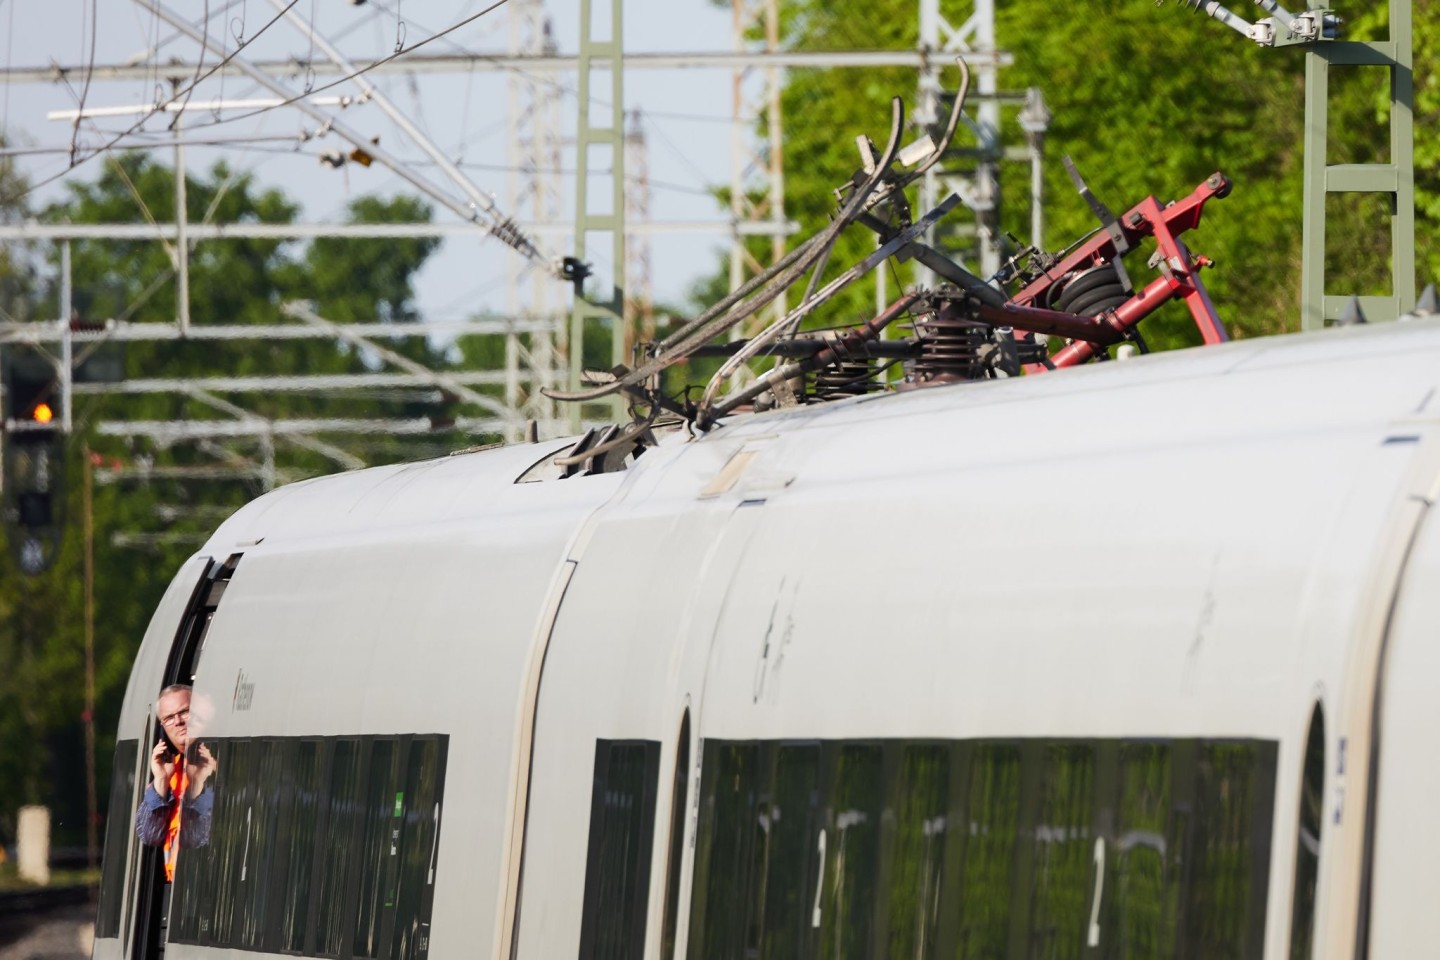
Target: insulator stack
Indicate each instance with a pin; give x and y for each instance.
(849, 376)
(950, 347)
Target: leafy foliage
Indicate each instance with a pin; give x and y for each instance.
(233, 282)
(1146, 101)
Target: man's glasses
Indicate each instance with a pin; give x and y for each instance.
(176, 717)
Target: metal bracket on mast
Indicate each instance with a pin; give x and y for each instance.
(1318, 29)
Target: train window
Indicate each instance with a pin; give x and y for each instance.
(976, 849)
(1140, 913)
(232, 841)
(419, 847)
(118, 831)
(1065, 857)
(1307, 847)
(792, 849)
(852, 852)
(986, 876)
(202, 888)
(342, 809)
(382, 812)
(918, 811)
(720, 902)
(1229, 863)
(295, 842)
(255, 891)
(679, 797)
(617, 870)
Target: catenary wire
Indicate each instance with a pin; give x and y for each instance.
(156, 108)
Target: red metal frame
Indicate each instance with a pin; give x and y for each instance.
(1179, 277)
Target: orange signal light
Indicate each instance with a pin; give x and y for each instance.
(42, 413)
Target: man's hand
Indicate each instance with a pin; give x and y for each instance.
(200, 771)
(160, 769)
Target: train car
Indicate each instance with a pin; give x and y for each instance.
(1132, 660)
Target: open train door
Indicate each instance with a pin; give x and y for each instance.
(133, 894)
(616, 736)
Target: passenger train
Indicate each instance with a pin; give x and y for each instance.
(1137, 659)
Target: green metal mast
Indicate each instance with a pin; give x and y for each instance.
(596, 317)
(1395, 178)
(1317, 30)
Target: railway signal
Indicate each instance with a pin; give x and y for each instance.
(33, 456)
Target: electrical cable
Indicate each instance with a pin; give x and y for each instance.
(155, 109)
(195, 80)
(348, 77)
(89, 74)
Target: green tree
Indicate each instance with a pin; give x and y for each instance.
(234, 282)
(1146, 101)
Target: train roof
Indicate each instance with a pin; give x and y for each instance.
(1320, 380)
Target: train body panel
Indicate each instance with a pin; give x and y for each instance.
(1186, 551)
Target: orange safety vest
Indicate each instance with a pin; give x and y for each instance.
(178, 782)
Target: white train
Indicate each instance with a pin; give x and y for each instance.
(1134, 660)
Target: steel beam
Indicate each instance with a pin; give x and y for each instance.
(54, 332)
(173, 431)
(498, 63)
(292, 384)
(362, 231)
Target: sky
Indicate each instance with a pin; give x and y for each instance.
(687, 115)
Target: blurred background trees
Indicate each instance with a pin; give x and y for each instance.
(1145, 99)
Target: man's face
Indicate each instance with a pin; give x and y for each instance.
(174, 712)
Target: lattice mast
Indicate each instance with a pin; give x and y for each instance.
(1319, 30)
(975, 38)
(598, 311)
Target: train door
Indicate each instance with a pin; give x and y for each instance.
(605, 862)
(152, 891)
(1405, 834)
(114, 924)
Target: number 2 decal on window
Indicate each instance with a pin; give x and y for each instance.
(819, 880)
(1093, 940)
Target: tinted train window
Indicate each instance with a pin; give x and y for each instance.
(916, 808)
(119, 828)
(617, 870)
(342, 826)
(232, 839)
(383, 813)
(1124, 849)
(257, 893)
(318, 846)
(790, 824)
(1144, 866)
(295, 839)
(986, 885)
(1064, 856)
(1234, 796)
(723, 889)
(852, 852)
(419, 847)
